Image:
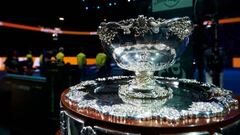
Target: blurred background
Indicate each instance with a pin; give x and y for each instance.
(48, 46)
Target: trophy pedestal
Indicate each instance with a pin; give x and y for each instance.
(95, 107)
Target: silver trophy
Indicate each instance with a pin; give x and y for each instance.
(145, 45)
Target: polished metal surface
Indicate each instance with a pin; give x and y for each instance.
(145, 45)
(231, 129)
(71, 125)
(103, 130)
(189, 99)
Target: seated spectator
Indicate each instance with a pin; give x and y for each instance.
(12, 64)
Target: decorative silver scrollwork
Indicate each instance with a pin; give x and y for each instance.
(216, 104)
(88, 130)
(63, 123)
(180, 27)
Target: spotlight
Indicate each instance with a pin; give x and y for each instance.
(205, 22)
(61, 18)
(208, 24)
(55, 36)
(98, 7)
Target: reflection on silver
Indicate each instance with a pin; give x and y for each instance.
(88, 130)
(206, 107)
(156, 92)
(207, 101)
(63, 123)
(141, 102)
(104, 130)
(145, 45)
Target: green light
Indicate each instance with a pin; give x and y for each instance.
(98, 7)
(110, 4)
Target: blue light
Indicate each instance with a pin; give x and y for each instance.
(110, 4)
(98, 7)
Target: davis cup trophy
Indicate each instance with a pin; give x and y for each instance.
(144, 103)
(145, 45)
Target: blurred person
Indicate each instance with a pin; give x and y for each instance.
(41, 59)
(214, 66)
(103, 65)
(81, 62)
(12, 64)
(28, 64)
(198, 39)
(60, 56)
(46, 61)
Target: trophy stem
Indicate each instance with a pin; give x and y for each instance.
(144, 81)
(145, 86)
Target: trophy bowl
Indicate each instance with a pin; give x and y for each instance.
(145, 45)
